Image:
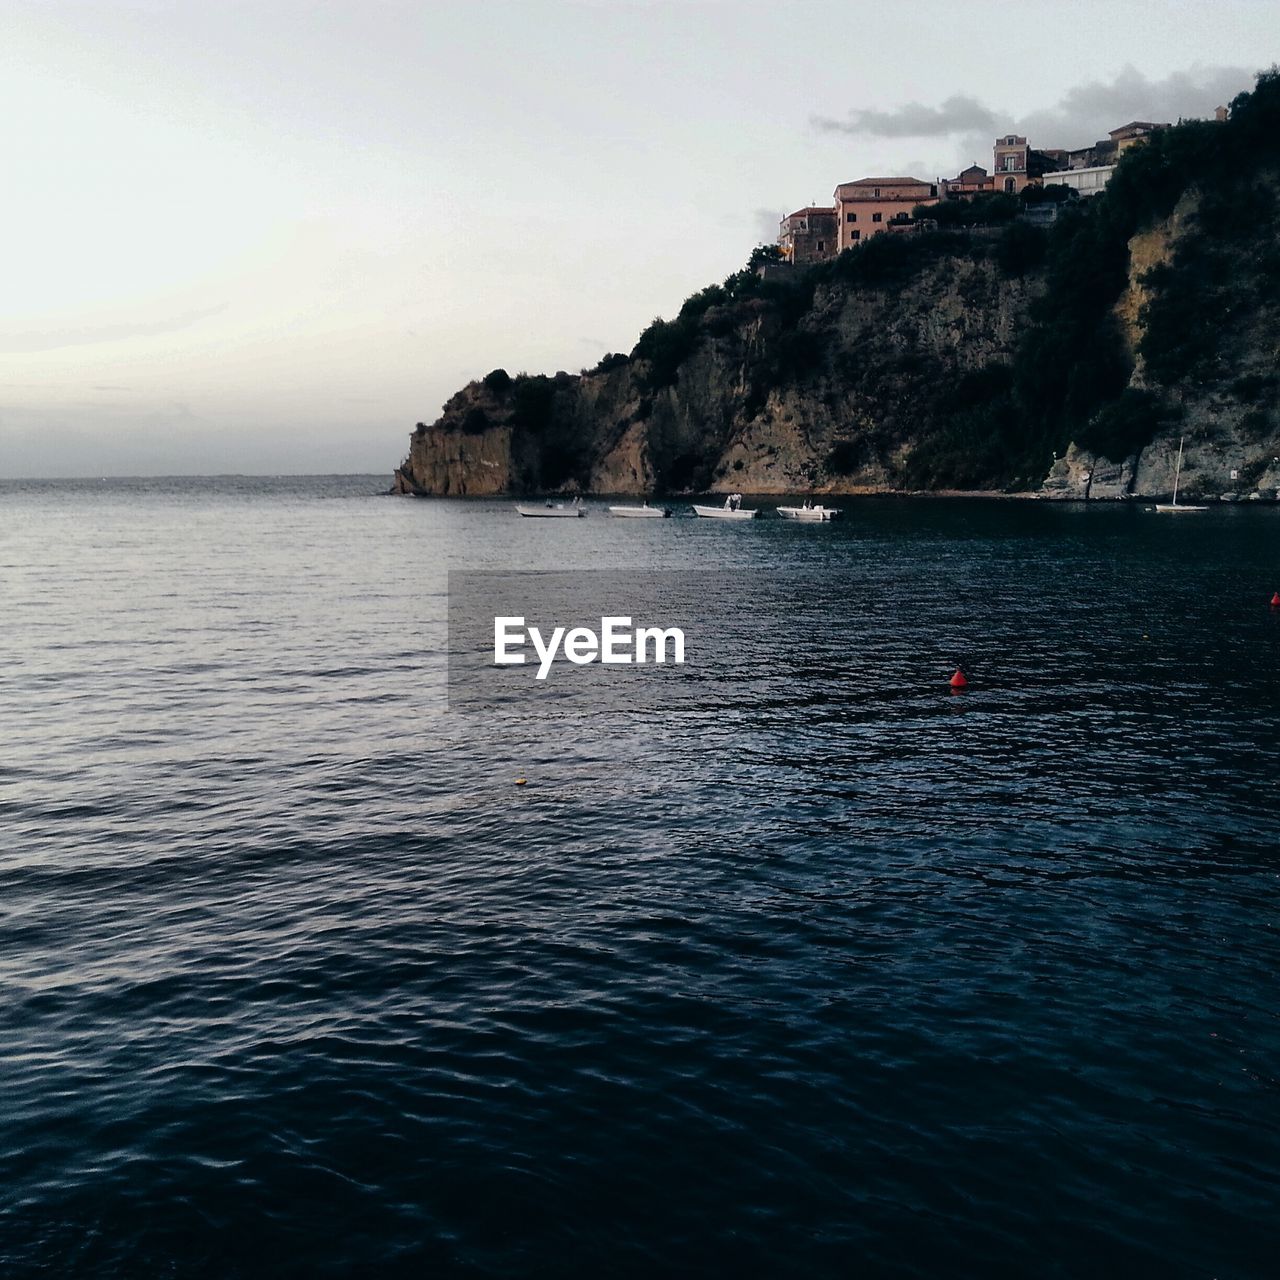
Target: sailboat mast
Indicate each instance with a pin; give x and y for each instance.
(1178, 472)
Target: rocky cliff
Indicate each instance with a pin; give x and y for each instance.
(1201, 322)
(782, 389)
(986, 354)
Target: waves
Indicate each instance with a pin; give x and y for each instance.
(822, 969)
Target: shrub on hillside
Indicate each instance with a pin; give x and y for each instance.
(988, 209)
(764, 255)
(610, 361)
(475, 421)
(533, 397)
(1253, 386)
(1126, 425)
(1256, 425)
(845, 457)
(1049, 193)
(665, 344)
(1187, 315)
(1021, 249)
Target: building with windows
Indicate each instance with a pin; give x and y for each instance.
(1019, 164)
(1011, 156)
(866, 207)
(808, 235)
(1084, 182)
(1107, 151)
(1136, 131)
(974, 180)
(1094, 157)
(1085, 170)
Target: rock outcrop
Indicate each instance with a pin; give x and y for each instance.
(987, 354)
(1223, 405)
(763, 401)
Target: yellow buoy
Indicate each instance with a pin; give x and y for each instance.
(521, 781)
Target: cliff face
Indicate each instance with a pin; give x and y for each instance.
(457, 464)
(986, 354)
(894, 385)
(1214, 370)
(764, 401)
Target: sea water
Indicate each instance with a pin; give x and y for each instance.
(827, 970)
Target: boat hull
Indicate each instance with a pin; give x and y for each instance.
(724, 513)
(809, 515)
(1176, 508)
(640, 513)
(551, 513)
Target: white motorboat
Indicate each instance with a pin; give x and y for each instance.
(731, 510)
(811, 512)
(645, 512)
(1176, 507)
(553, 510)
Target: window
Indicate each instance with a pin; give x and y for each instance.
(851, 217)
(876, 217)
(855, 235)
(876, 193)
(1010, 163)
(1011, 140)
(822, 244)
(1010, 185)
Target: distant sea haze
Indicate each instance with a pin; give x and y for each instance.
(821, 965)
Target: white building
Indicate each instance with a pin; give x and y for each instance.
(1088, 182)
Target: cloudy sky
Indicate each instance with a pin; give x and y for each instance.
(272, 236)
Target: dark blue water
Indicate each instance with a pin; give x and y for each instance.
(831, 972)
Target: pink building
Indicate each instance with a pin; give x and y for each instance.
(1012, 155)
(866, 207)
(1018, 165)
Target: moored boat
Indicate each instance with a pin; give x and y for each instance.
(1175, 507)
(645, 512)
(810, 512)
(731, 510)
(553, 510)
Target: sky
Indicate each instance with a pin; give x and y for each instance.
(270, 237)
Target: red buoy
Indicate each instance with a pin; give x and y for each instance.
(958, 681)
(1275, 600)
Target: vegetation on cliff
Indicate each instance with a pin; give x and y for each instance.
(963, 357)
(1073, 369)
(1070, 376)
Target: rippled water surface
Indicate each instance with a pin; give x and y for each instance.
(826, 972)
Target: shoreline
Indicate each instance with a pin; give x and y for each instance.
(1024, 495)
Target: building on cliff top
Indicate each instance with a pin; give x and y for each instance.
(1135, 131)
(1084, 182)
(1107, 151)
(974, 180)
(871, 205)
(808, 235)
(866, 207)
(1018, 164)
